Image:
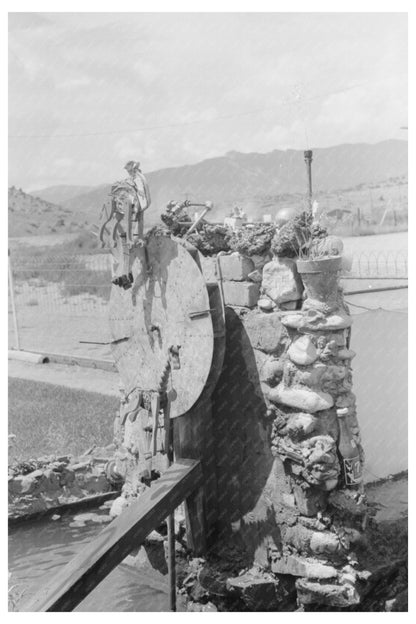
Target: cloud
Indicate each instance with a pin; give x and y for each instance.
(105, 75)
(75, 82)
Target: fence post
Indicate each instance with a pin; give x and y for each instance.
(11, 287)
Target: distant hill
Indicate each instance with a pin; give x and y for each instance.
(30, 215)
(60, 193)
(257, 182)
(248, 179)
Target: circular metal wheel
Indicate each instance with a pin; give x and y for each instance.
(167, 305)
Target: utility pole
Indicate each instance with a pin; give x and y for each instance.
(308, 160)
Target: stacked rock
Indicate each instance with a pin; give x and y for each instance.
(310, 396)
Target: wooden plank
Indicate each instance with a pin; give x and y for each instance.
(194, 438)
(85, 571)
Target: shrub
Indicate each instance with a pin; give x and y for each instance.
(210, 239)
(254, 240)
(295, 237)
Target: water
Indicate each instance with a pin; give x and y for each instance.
(38, 550)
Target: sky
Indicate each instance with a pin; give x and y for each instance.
(90, 91)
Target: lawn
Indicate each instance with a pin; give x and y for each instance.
(48, 419)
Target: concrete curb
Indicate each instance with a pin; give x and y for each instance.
(28, 356)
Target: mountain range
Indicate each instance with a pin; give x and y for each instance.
(253, 181)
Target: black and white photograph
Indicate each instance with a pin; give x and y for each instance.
(207, 307)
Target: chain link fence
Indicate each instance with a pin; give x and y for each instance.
(59, 303)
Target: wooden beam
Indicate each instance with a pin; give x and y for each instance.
(85, 571)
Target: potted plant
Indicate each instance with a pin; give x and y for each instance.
(317, 257)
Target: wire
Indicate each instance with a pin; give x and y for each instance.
(374, 309)
(284, 102)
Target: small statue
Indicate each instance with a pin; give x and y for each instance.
(129, 199)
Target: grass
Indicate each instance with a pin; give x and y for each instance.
(48, 419)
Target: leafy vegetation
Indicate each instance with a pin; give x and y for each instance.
(296, 237)
(254, 240)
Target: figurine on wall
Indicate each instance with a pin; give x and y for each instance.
(129, 199)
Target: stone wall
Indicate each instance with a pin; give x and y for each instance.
(284, 505)
(282, 487)
(57, 481)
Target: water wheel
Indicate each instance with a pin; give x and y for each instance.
(168, 304)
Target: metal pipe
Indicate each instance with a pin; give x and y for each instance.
(308, 160)
(171, 562)
(371, 290)
(12, 301)
(208, 207)
(171, 519)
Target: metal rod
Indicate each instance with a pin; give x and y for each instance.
(370, 278)
(171, 562)
(11, 287)
(171, 518)
(371, 290)
(308, 160)
(199, 219)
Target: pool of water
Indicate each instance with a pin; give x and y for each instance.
(37, 550)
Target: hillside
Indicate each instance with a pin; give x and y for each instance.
(251, 179)
(343, 176)
(61, 193)
(30, 215)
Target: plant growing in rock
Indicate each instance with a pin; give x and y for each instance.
(210, 239)
(298, 238)
(253, 240)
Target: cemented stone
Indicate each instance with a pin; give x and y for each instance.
(299, 566)
(300, 425)
(324, 543)
(309, 501)
(255, 276)
(310, 592)
(346, 354)
(345, 400)
(265, 304)
(302, 351)
(241, 294)
(332, 322)
(292, 320)
(281, 281)
(272, 371)
(300, 398)
(259, 593)
(265, 331)
(236, 267)
(317, 543)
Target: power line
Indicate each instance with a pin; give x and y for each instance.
(284, 102)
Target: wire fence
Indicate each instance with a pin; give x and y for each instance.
(390, 265)
(59, 303)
